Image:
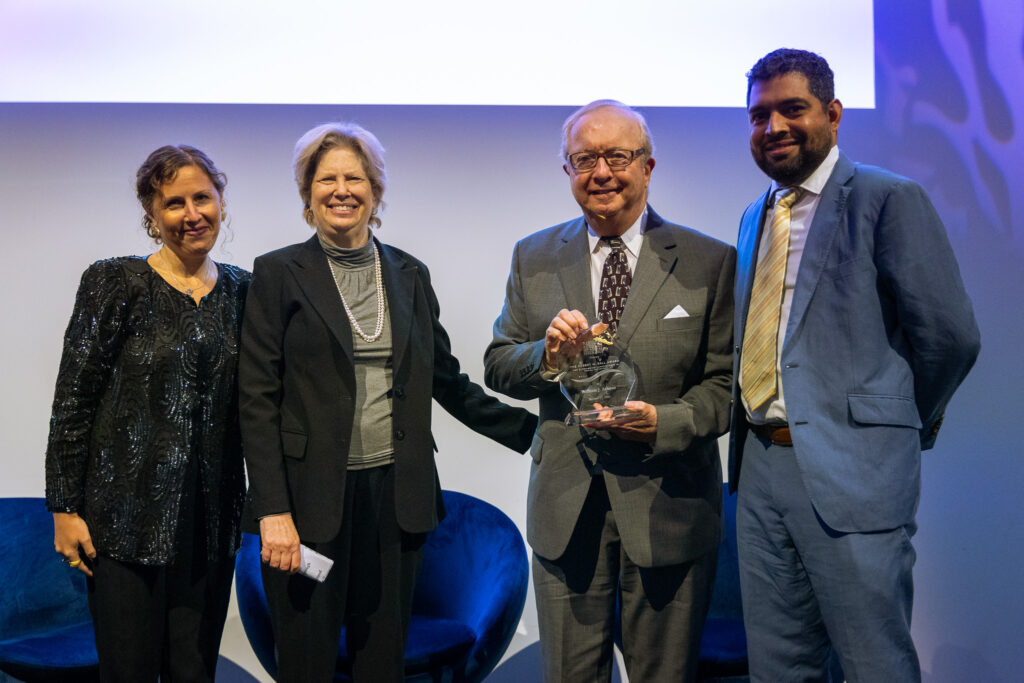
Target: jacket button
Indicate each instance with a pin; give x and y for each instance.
(400, 392)
(399, 434)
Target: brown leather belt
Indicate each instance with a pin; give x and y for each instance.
(778, 435)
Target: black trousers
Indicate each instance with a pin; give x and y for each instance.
(166, 620)
(369, 590)
(159, 621)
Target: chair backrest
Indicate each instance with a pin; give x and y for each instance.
(252, 602)
(40, 592)
(723, 648)
(474, 571)
(725, 600)
(475, 552)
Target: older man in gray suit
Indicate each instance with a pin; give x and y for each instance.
(631, 507)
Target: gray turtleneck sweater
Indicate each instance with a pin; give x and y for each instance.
(371, 444)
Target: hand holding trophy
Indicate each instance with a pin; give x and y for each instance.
(596, 377)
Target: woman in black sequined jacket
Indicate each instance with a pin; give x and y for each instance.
(144, 469)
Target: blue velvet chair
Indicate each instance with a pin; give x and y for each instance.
(45, 625)
(468, 600)
(723, 647)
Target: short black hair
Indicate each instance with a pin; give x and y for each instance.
(820, 79)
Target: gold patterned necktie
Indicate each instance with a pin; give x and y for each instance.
(758, 375)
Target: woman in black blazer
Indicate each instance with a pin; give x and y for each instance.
(342, 354)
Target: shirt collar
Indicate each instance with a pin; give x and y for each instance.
(815, 182)
(632, 238)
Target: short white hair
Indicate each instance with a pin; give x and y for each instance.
(646, 141)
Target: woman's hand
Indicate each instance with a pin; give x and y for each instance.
(71, 539)
(280, 542)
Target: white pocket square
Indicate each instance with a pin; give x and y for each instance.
(677, 312)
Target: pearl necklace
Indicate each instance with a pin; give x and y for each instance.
(189, 291)
(368, 338)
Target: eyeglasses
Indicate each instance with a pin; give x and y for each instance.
(615, 158)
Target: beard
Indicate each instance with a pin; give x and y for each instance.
(811, 151)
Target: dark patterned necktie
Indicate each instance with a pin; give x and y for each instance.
(615, 281)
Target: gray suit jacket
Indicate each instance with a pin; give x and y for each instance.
(880, 334)
(666, 498)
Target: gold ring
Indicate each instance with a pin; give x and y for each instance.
(74, 563)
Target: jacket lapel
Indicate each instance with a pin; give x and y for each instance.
(656, 260)
(820, 236)
(400, 288)
(574, 270)
(314, 276)
(746, 264)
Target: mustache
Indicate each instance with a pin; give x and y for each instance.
(783, 136)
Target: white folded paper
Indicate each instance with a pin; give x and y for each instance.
(314, 565)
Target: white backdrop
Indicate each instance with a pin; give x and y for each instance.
(467, 181)
(528, 52)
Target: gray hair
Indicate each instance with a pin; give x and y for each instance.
(311, 147)
(646, 141)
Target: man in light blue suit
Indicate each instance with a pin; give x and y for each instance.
(870, 332)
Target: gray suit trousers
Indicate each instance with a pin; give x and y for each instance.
(662, 608)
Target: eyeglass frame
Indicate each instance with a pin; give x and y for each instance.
(636, 154)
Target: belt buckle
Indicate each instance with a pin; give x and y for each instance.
(777, 435)
(781, 437)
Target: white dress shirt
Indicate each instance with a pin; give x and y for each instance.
(633, 239)
(801, 216)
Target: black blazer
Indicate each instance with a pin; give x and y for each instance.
(297, 384)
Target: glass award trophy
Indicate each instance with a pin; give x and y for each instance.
(600, 375)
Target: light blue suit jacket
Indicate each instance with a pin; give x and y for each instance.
(880, 335)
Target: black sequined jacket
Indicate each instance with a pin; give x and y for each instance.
(146, 406)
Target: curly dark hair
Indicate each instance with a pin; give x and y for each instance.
(820, 79)
(161, 166)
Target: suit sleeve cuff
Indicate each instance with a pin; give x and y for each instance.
(675, 429)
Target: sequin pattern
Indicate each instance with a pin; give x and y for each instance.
(146, 393)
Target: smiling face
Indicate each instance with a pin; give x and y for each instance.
(791, 131)
(186, 211)
(341, 198)
(612, 199)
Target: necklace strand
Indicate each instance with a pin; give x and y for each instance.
(188, 290)
(379, 281)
